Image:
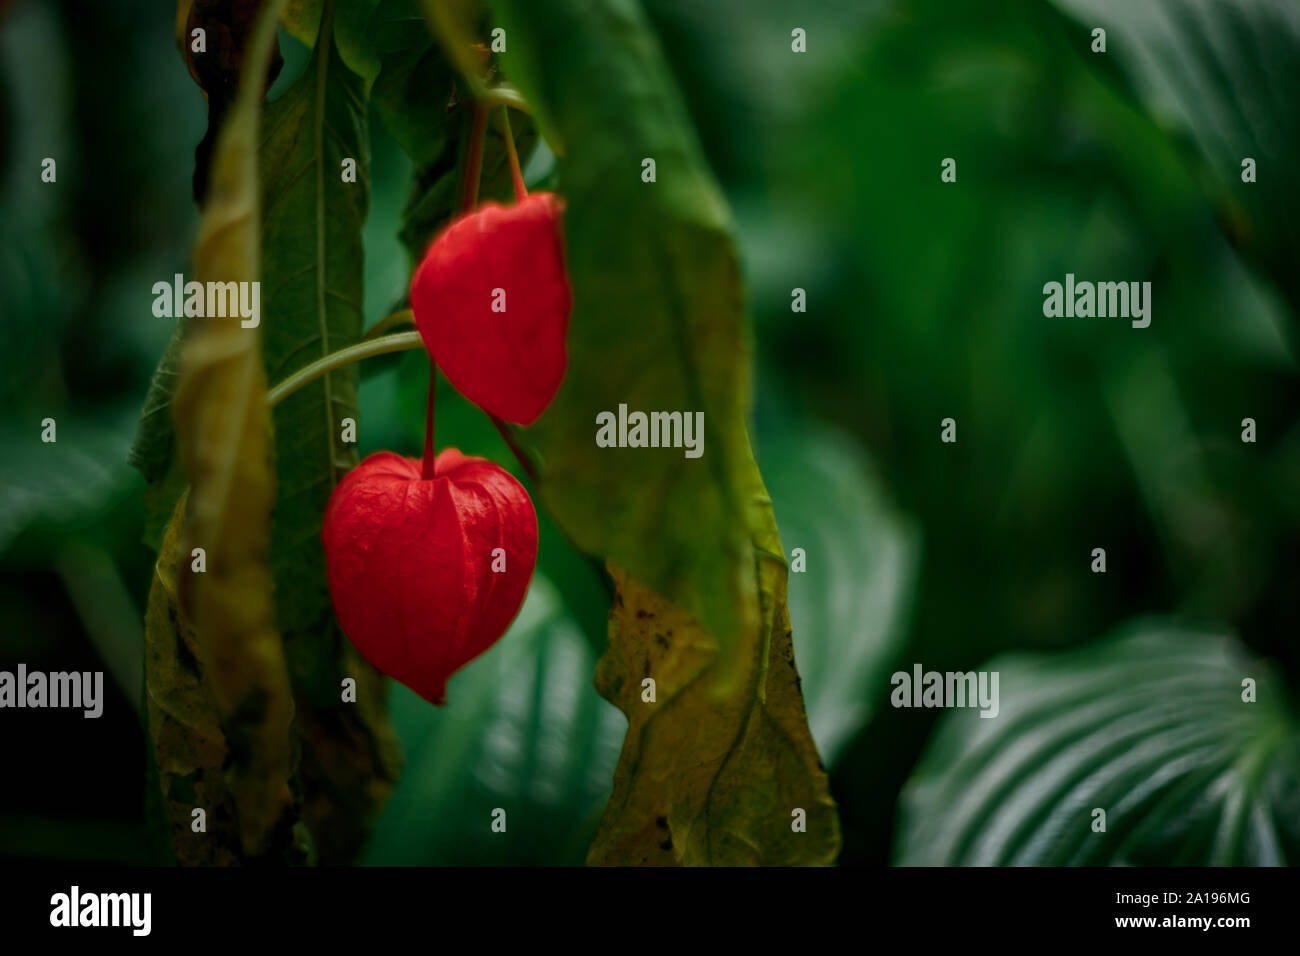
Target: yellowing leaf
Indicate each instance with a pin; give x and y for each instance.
(301, 20)
(184, 726)
(224, 431)
(721, 768)
(713, 772)
(220, 407)
(183, 8)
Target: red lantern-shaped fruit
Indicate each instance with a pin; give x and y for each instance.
(492, 300)
(428, 574)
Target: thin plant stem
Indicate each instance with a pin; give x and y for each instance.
(429, 455)
(400, 342)
(521, 191)
(521, 456)
(474, 160)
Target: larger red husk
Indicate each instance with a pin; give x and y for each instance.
(410, 562)
(508, 363)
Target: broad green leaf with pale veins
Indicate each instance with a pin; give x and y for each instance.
(1226, 74)
(527, 733)
(1150, 727)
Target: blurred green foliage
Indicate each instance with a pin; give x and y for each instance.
(924, 302)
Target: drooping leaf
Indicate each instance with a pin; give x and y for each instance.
(184, 723)
(691, 542)
(312, 306)
(1150, 727)
(227, 26)
(224, 431)
(528, 734)
(712, 773)
(659, 257)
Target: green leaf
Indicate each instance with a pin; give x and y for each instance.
(311, 301)
(389, 44)
(850, 605)
(691, 543)
(426, 107)
(389, 37)
(1223, 73)
(659, 257)
(1149, 726)
(69, 480)
(527, 734)
(312, 306)
(153, 450)
(429, 108)
(460, 25)
(440, 169)
(231, 665)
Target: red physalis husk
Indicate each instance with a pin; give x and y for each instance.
(410, 562)
(492, 300)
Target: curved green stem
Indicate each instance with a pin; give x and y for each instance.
(353, 353)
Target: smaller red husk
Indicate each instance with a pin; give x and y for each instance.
(409, 562)
(508, 363)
